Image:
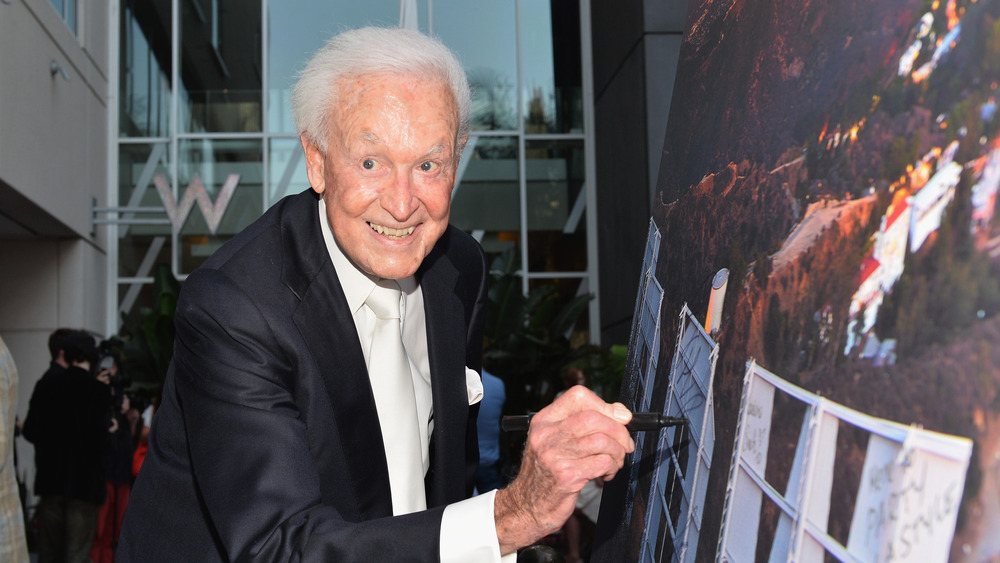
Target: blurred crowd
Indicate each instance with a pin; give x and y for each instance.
(89, 436)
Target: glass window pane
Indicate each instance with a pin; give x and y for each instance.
(133, 298)
(229, 172)
(565, 290)
(70, 15)
(142, 247)
(144, 59)
(551, 71)
(140, 253)
(556, 206)
(485, 36)
(220, 69)
(297, 28)
(487, 197)
(286, 169)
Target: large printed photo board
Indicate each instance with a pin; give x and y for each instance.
(824, 222)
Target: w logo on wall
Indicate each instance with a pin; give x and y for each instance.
(195, 191)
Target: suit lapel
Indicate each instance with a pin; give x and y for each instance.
(446, 342)
(327, 326)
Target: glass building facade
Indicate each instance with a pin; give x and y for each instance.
(206, 141)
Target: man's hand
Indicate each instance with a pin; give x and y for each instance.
(577, 438)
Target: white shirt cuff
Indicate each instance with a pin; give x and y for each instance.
(469, 533)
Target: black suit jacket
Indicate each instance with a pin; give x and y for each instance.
(267, 445)
(67, 421)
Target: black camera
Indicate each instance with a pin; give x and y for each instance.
(110, 363)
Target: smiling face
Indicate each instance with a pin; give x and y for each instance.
(388, 171)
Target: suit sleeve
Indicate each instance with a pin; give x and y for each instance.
(36, 423)
(258, 482)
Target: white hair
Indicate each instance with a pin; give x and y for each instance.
(372, 50)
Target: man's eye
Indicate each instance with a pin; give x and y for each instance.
(369, 164)
(427, 166)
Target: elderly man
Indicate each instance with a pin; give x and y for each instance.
(321, 404)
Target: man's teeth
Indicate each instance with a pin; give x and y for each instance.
(389, 232)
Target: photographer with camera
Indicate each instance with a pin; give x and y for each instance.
(118, 454)
(67, 423)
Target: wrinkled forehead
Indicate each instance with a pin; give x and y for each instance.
(395, 104)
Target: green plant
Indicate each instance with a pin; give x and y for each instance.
(148, 335)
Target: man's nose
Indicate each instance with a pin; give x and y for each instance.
(399, 198)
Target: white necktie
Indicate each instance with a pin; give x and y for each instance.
(389, 371)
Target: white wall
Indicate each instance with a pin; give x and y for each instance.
(53, 131)
(54, 156)
(46, 285)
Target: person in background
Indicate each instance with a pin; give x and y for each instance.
(143, 423)
(281, 435)
(67, 423)
(489, 475)
(572, 376)
(13, 546)
(117, 457)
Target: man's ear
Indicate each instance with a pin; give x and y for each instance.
(315, 164)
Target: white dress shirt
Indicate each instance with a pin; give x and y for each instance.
(468, 530)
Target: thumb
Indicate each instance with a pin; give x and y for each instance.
(618, 412)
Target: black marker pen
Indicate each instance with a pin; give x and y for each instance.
(641, 422)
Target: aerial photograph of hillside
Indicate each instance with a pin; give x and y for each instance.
(841, 160)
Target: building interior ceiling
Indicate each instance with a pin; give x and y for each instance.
(229, 63)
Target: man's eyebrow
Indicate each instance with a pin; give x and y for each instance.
(437, 149)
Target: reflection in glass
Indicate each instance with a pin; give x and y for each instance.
(487, 198)
(485, 34)
(142, 247)
(565, 290)
(286, 169)
(556, 206)
(220, 70)
(144, 109)
(134, 297)
(297, 28)
(70, 15)
(217, 166)
(141, 253)
(66, 10)
(550, 66)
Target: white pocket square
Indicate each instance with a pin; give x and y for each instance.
(473, 386)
